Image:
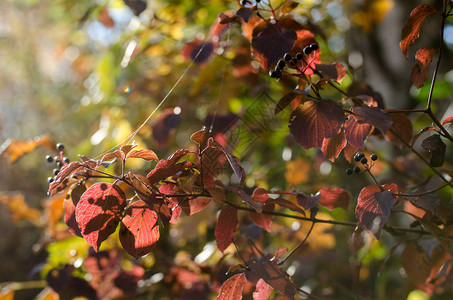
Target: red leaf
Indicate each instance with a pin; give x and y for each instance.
(232, 288)
(61, 179)
(260, 195)
(279, 252)
(234, 162)
(356, 133)
(167, 167)
(411, 30)
(313, 121)
(288, 204)
(334, 197)
(332, 147)
(373, 116)
(197, 204)
(98, 212)
(335, 71)
(143, 154)
(419, 73)
(288, 98)
(263, 220)
(447, 120)
(374, 206)
(271, 44)
(111, 155)
(273, 275)
(139, 231)
(403, 127)
(225, 227)
(263, 290)
(70, 204)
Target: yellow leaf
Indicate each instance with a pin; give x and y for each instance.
(15, 149)
(297, 171)
(19, 209)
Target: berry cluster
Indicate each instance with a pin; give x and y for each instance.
(360, 157)
(291, 61)
(59, 160)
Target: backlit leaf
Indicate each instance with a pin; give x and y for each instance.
(419, 73)
(15, 149)
(143, 154)
(232, 288)
(411, 30)
(374, 206)
(374, 116)
(263, 220)
(289, 97)
(335, 71)
(139, 231)
(271, 44)
(313, 121)
(331, 147)
(225, 227)
(98, 212)
(198, 204)
(263, 291)
(334, 197)
(447, 120)
(402, 126)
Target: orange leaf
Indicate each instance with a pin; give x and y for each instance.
(419, 73)
(15, 149)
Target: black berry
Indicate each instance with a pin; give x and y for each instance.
(314, 47)
(243, 2)
(356, 170)
(364, 160)
(373, 157)
(66, 160)
(281, 64)
(50, 179)
(274, 74)
(299, 56)
(59, 164)
(60, 147)
(348, 171)
(49, 158)
(287, 57)
(56, 171)
(307, 50)
(356, 157)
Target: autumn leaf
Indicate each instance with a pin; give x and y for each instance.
(331, 147)
(165, 126)
(18, 207)
(271, 44)
(225, 227)
(419, 73)
(307, 202)
(263, 291)
(143, 154)
(15, 149)
(374, 116)
(334, 197)
(139, 231)
(263, 220)
(232, 288)
(437, 149)
(297, 171)
(402, 126)
(289, 97)
(336, 71)
(374, 206)
(313, 121)
(447, 121)
(98, 212)
(411, 30)
(356, 133)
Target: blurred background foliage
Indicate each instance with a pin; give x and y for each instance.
(88, 73)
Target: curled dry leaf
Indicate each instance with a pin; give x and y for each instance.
(411, 30)
(419, 73)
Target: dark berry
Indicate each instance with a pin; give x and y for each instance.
(243, 2)
(60, 147)
(307, 50)
(356, 170)
(59, 164)
(373, 157)
(56, 171)
(287, 57)
(258, 1)
(50, 179)
(281, 64)
(66, 160)
(314, 47)
(364, 160)
(299, 56)
(348, 171)
(273, 74)
(356, 157)
(49, 158)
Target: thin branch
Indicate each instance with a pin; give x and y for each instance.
(298, 245)
(427, 192)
